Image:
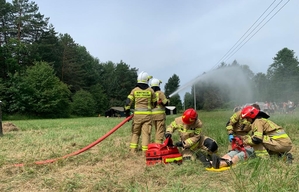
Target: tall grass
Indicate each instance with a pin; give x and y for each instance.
(109, 166)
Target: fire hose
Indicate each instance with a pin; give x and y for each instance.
(85, 148)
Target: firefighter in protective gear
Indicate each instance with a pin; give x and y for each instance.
(158, 113)
(192, 140)
(145, 99)
(237, 126)
(266, 136)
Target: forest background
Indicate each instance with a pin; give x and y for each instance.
(48, 75)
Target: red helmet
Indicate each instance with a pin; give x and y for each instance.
(189, 116)
(249, 112)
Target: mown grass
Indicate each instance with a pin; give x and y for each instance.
(109, 167)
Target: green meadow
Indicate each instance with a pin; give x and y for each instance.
(108, 166)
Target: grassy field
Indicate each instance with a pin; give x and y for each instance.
(108, 166)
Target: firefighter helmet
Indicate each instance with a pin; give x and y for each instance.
(189, 116)
(143, 77)
(249, 112)
(155, 82)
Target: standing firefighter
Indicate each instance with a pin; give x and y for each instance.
(145, 99)
(266, 135)
(158, 113)
(191, 138)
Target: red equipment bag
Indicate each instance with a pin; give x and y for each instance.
(237, 144)
(163, 153)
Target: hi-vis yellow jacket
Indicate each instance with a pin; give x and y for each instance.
(161, 102)
(190, 134)
(238, 126)
(266, 130)
(144, 100)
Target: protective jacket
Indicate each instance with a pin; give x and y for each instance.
(159, 111)
(271, 135)
(192, 138)
(189, 134)
(145, 99)
(238, 126)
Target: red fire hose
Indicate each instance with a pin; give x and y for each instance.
(85, 148)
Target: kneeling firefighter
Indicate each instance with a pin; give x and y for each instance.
(192, 141)
(266, 135)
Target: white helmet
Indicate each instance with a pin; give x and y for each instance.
(143, 77)
(155, 82)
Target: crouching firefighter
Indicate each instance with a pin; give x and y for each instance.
(145, 99)
(192, 142)
(267, 137)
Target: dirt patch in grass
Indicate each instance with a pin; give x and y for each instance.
(8, 127)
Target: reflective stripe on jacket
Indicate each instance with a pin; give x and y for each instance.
(160, 108)
(238, 126)
(144, 100)
(265, 129)
(190, 134)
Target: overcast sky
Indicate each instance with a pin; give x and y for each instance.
(186, 38)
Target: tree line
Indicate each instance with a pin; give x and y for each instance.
(47, 74)
(44, 73)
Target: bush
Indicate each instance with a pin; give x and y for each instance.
(83, 104)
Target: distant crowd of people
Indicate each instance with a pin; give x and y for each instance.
(287, 107)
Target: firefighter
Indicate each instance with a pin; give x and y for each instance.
(145, 99)
(192, 141)
(158, 113)
(266, 136)
(237, 126)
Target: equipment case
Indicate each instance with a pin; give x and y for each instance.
(163, 153)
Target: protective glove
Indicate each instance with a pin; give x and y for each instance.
(167, 135)
(230, 137)
(128, 112)
(179, 144)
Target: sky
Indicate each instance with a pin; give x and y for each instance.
(186, 38)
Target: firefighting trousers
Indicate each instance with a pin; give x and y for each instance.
(141, 126)
(260, 151)
(279, 146)
(159, 125)
(206, 145)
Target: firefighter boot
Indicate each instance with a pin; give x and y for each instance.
(216, 161)
(204, 159)
(187, 158)
(187, 155)
(289, 158)
(144, 153)
(133, 150)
